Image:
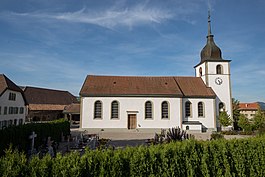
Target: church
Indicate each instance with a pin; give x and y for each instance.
(152, 103)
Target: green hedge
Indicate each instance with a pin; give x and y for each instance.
(18, 136)
(244, 157)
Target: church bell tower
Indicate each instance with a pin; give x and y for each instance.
(215, 72)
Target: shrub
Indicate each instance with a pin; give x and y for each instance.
(236, 157)
(247, 133)
(230, 132)
(173, 134)
(177, 134)
(18, 136)
(215, 136)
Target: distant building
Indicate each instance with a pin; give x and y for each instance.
(12, 103)
(72, 113)
(250, 109)
(46, 104)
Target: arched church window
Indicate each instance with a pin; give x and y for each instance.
(164, 111)
(200, 109)
(148, 110)
(200, 71)
(221, 107)
(219, 69)
(188, 109)
(98, 110)
(115, 110)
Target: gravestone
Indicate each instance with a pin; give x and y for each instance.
(32, 137)
(50, 148)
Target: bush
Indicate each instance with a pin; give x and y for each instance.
(247, 133)
(237, 157)
(215, 136)
(230, 132)
(18, 136)
(173, 134)
(177, 134)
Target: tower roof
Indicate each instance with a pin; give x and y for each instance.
(210, 52)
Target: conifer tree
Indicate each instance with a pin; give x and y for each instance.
(236, 112)
(224, 119)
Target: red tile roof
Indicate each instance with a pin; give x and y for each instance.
(73, 108)
(6, 83)
(46, 107)
(145, 86)
(249, 106)
(48, 99)
(194, 87)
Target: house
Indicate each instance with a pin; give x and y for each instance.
(250, 109)
(46, 104)
(72, 113)
(152, 103)
(12, 103)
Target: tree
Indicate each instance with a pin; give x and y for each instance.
(224, 119)
(244, 123)
(236, 112)
(259, 120)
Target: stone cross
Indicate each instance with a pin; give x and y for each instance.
(32, 137)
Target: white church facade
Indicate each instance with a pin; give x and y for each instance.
(139, 102)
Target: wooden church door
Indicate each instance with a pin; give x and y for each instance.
(132, 121)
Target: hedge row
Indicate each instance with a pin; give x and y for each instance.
(244, 157)
(18, 136)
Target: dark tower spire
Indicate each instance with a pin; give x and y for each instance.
(209, 23)
(210, 51)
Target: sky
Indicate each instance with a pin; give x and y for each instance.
(57, 43)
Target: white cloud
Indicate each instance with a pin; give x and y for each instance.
(108, 18)
(119, 13)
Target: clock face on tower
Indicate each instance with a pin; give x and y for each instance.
(218, 81)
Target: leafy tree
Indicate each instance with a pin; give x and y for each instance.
(236, 112)
(259, 120)
(224, 119)
(244, 123)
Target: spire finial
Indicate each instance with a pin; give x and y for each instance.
(209, 23)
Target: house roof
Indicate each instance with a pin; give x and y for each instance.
(6, 83)
(145, 86)
(251, 106)
(48, 98)
(46, 107)
(73, 108)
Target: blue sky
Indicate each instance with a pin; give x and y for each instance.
(56, 43)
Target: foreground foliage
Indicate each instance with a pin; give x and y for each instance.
(242, 157)
(18, 136)
(171, 135)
